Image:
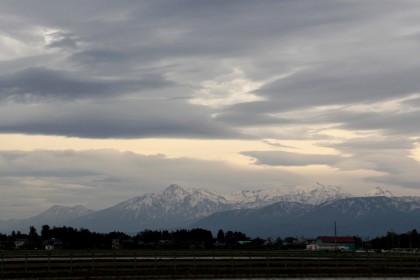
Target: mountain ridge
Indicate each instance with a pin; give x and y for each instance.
(177, 207)
(354, 216)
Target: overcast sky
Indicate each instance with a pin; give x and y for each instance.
(101, 101)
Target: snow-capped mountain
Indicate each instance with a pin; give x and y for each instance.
(354, 216)
(59, 213)
(254, 198)
(175, 200)
(316, 194)
(313, 195)
(293, 211)
(369, 215)
(177, 207)
(173, 207)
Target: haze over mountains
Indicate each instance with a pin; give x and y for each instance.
(308, 211)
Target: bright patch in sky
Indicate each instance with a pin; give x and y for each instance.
(226, 90)
(12, 48)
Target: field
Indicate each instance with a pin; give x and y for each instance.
(203, 264)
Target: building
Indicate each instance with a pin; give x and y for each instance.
(21, 242)
(116, 244)
(52, 244)
(332, 243)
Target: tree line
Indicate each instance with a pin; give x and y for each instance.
(391, 240)
(72, 238)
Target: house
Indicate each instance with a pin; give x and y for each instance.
(333, 243)
(52, 244)
(21, 242)
(116, 244)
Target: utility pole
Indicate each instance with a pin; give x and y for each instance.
(335, 235)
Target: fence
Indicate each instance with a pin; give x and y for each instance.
(216, 263)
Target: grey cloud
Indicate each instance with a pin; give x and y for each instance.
(201, 28)
(411, 183)
(242, 118)
(374, 144)
(103, 55)
(276, 144)
(62, 40)
(132, 118)
(41, 83)
(397, 169)
(413, 102)
(388, 156)
(281, 158)
(324, 86)
(393, 123)
(21, 164)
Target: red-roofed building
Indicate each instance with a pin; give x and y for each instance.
(332, 243)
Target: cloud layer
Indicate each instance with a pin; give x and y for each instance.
(327, 83)
(293, 56)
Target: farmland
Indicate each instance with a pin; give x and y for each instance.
(203, 264)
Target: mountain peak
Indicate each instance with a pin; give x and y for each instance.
(174, 187)
(175, 190)
(378, 191)
(65, 212)
(316, 194)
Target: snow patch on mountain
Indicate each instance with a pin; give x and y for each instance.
(316, 194)
(59, 212)
(378, 191)
(254, 198)
(173, 206)
(313, 195)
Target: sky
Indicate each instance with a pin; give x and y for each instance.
(101, 101)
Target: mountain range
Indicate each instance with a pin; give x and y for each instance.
(300, 211)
